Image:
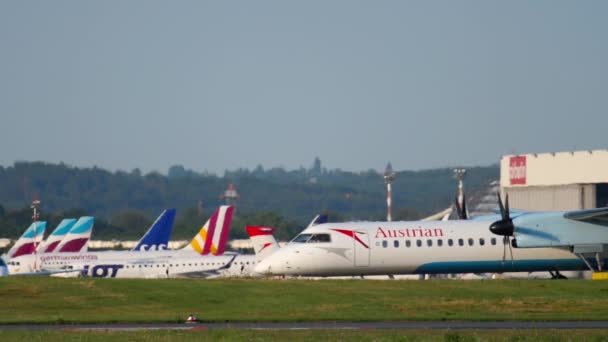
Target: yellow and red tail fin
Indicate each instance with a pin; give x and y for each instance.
(213, 235)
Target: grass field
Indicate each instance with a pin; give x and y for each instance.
(56, 300)
(310, 335)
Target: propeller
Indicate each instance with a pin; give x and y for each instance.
(504, 227)
(461, 212)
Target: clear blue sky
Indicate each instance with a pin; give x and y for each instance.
(217, 85)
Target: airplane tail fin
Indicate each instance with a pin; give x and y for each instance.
(213, 235)
(77, 238)
(158, 235)
(319, 219)
(263, 241)
(29, 241)
(53, 240)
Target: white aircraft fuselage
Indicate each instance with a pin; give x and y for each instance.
(129, 264)
(429, 247)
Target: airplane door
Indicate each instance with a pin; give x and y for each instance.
(361, 251)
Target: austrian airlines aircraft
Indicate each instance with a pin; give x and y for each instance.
(216, 229)
(430, 247)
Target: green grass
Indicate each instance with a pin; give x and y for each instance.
(56, 300)
(310, 335)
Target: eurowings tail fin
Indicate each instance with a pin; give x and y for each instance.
(77, 238)
(158, 235)
(263, 241)
(213, 235)
(53, 240)
(29, 241)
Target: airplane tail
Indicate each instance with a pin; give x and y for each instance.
(53, 240)
(158, 235)
(214, 233)
(29, 241)
(263, 241)
(77, 238)
(319, 219)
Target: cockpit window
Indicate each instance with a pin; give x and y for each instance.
(319, 238)
(302, 238)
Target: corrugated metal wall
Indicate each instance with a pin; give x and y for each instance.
(562, 197)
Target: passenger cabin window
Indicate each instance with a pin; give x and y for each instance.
(482, 242)
(396, 243)
(408, 243)
(471, 242)
(429, 243)
(439, 242)
(493, 241)
(419, 243)
(460, 242)
(450, 242)
(384, 243)
(315, 238)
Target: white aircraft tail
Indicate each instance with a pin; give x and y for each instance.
(29, 241)
(77, 239)
(263, 241)
(53, 240)
(213, 236)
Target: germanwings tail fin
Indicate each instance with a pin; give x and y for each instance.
(263, 241)
(29, 241)
(158, 235)
(53, 240)
(77, 238)
(213, 235)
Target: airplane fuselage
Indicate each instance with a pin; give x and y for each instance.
(431, 247)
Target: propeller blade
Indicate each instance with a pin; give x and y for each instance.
(465, 216)
(502, 207)
(508, 216)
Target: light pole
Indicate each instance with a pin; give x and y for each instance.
(389, 177)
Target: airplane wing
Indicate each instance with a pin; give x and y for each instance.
(562, 229)
(206, 273)
(598, 216)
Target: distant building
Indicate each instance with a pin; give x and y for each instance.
(556, 181)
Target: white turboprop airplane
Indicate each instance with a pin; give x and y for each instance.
(471, 246)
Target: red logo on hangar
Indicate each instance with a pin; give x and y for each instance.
(517, 170)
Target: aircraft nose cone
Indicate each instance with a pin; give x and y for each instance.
(502, 227)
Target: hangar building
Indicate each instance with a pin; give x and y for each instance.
(556, 181)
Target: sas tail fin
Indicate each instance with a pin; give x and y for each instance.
(263, 241)
(213, 235)
(53, 240)
(319, 219)
(77, 238)
(29, 241)
(158, 235)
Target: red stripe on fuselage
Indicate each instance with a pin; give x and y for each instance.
(351, 234)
